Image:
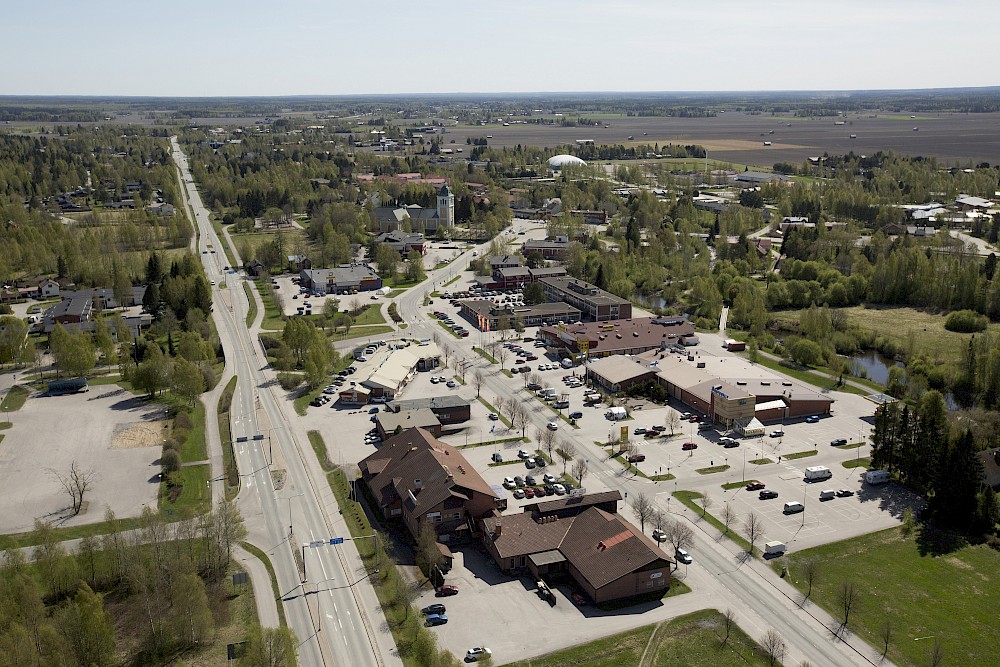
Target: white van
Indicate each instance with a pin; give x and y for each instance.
(774, 548)
(794, 507)
(877, 476)
(567, 363)
(827, 494)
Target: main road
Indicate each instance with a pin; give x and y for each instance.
(333, 610)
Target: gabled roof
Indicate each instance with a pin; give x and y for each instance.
(421, 471)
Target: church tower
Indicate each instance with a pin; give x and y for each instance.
(446, 207)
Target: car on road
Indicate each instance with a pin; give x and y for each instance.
(844, 493)
(684, 557)
(446, 590)
(767, 494)
(639, 430)
(689, 445)
(552, 426)
(731, 443)
(494, 416)
(437, 619)
(373, 411)
(474, 654)
(755, 486)
(433, 609)
(838, 442)
(777, 433)
(812, 420)
(693, 418)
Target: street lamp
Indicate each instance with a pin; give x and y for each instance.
(289, 499)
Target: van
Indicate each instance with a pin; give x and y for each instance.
(560, 405)
(567, 363)
(548, 392)
(774, 548)
(817, 473)
(827, 494)
(877, 476)
(794, 507)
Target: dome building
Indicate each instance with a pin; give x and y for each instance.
(560, 161)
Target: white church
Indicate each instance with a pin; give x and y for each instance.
(429, 220)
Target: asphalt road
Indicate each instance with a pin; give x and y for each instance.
(330, 611)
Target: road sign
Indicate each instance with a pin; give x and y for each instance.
(336, 540)
(317, 543)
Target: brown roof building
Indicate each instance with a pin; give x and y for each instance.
(416, 478)
(629, 336)
(602, 553)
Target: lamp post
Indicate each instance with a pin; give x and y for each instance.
(289, 499)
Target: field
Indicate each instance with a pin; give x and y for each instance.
(739, 137)
(694, 639)
(924, 590)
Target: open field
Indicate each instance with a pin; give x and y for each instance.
(694, 639)
(926, 592)
(949, 137)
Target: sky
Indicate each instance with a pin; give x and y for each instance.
(332, 47)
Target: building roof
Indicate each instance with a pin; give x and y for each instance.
(430, 402)
(618, 368)
(404, 419)
(351, 274)
(398, 237)
(682, 374)
(759, 177)
(543, 244)
(560, 161)
(421, 471)
(570, 502)
(977, 202)
(583, 290)
(392, 373)
(613, 336)
(505, 259)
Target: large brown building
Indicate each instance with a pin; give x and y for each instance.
(629, 336)
(582, 538)
(416, 479)
(595, 303)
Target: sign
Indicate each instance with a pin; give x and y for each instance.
(336, 540)
(656, 575)
(259, 436)
(624, 434)
(242, 438)
(719, 392)
(316, 543)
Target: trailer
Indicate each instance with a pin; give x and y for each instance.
(817, 473)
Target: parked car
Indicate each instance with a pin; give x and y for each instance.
(548, 479)
(451, 384)
(767, 494)
(636, 458)
(560, 489)
(529, 480)
(844, 493)
(433, 609)
(529, 492)
(522, 454)
(540, 462)
(372, 411)
(838, 442)
(529, 463)
(659, 535)
(777, 433)
(689, 445)
(518, 480)
(639, 430)
(474, 654)
(437, 619)
(812, 420)
(497, 457)
(576, 415)
(684, 557)
(494, 416)
(508, 483)
(755, 486)
(518, 494)
(446, 590)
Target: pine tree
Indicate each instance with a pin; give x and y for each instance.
(954, 502)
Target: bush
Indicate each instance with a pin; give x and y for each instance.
(182, 421)
(289, 381)
(170, 461)
(966, 321)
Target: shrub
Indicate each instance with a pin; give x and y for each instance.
(170, 460)
(182, 421)
(289, 381)
(966, 321)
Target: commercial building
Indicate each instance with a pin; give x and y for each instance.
(486, 315)
(386, 376)
(516, 277)
(618, 373)
(593, 302)
(402, 242)
(549, 249)
(345, 279)
(633, 336)
(587, 542)
(418, 480)
(449, 409)
(388, 423)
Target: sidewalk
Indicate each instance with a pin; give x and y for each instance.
(267, 606)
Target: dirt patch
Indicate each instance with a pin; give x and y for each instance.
(745, 145)
(138, 434)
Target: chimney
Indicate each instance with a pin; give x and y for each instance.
(418, 484)
(497, 528)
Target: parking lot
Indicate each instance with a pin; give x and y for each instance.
(107, 430)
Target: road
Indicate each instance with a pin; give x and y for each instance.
(758, 596)
(331, 612)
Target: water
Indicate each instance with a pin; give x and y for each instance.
(650, 302)
(876, 368)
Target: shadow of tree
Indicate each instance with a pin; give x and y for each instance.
(934, 541)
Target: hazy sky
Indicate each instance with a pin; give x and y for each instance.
(306, 47)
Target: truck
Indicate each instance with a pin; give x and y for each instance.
(616, 413)
(817, 473)
(877, 476)
(774, 548)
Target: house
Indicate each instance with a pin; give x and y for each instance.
(592, 217)
(549, 249)
(388, 423)
(605, 555)
(967, 203)
(344, 279)
(757, 178)
(388, 377)
(162, 209)
(449, 409)
(255, 268)
(418, 480)
(48, 288)
(516, 277)
(299, 262)
(402, 242)
(504, 262)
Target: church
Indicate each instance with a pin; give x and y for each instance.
(428, 220)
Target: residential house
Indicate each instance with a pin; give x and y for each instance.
(402, 242)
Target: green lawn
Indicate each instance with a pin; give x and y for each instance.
(947, 597)
(713, 469)
(5, 425)
(194, 448)
(263, 558)
(225, 436)
(363, 332)
(14, 399)
(370, 315)
(690, 500)
(692, 640)
(863, 462)
(800, 455)
(273, 320)
(195, 497)
(814, 377)
(252, 311)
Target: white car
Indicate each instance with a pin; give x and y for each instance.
(494, 416)
(434, 380)
(549, 479)
(508, 483)
(522, 454)
(684, 557)
(451, 384)
(474, 654)
(560, 489)
(552, 426)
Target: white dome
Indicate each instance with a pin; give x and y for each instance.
(560, 161)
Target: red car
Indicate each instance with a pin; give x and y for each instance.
(636, 458)
(446, 590)
(755, 486)
(689, 445)
(693, 419)
(529, 492)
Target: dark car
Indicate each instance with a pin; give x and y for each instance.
(768, 493)
(433, 609)
(539, 461)
(529, 480)
(689, 445)
(838, 442)
(533, 386)
(437, 619)
(812, 420)
(844, 493)
(373, 411)
(755, 486)
(446, 590)
(636, 458)
(576, 415)
(729, 444)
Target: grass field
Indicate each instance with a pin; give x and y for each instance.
(195, 497)
(252, 311)
(292, 238)
(927, 596)
(694, 639)
(690, 500)
(194, 448)
(14, 399)
(225, 436)
(370, 315)
(800, 455)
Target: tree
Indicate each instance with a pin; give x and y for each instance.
(644, 509)
(14, 341)
(566, 452)
(805, 352)
(186, 380)
(580, 469)
(705, 501)
(89, 630)
(885, 634)
(478, 381)
(190, 616)
(753, 528)
(774, 646)
(955, 501)
(269, 647)
(520, 418)
(428, 553)
(728, 516)
(810, 570)
(75, 483)
(73, 351)
(679, 534)
(847, 599)
(673, 421)
(546, 439)
(534, 294)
